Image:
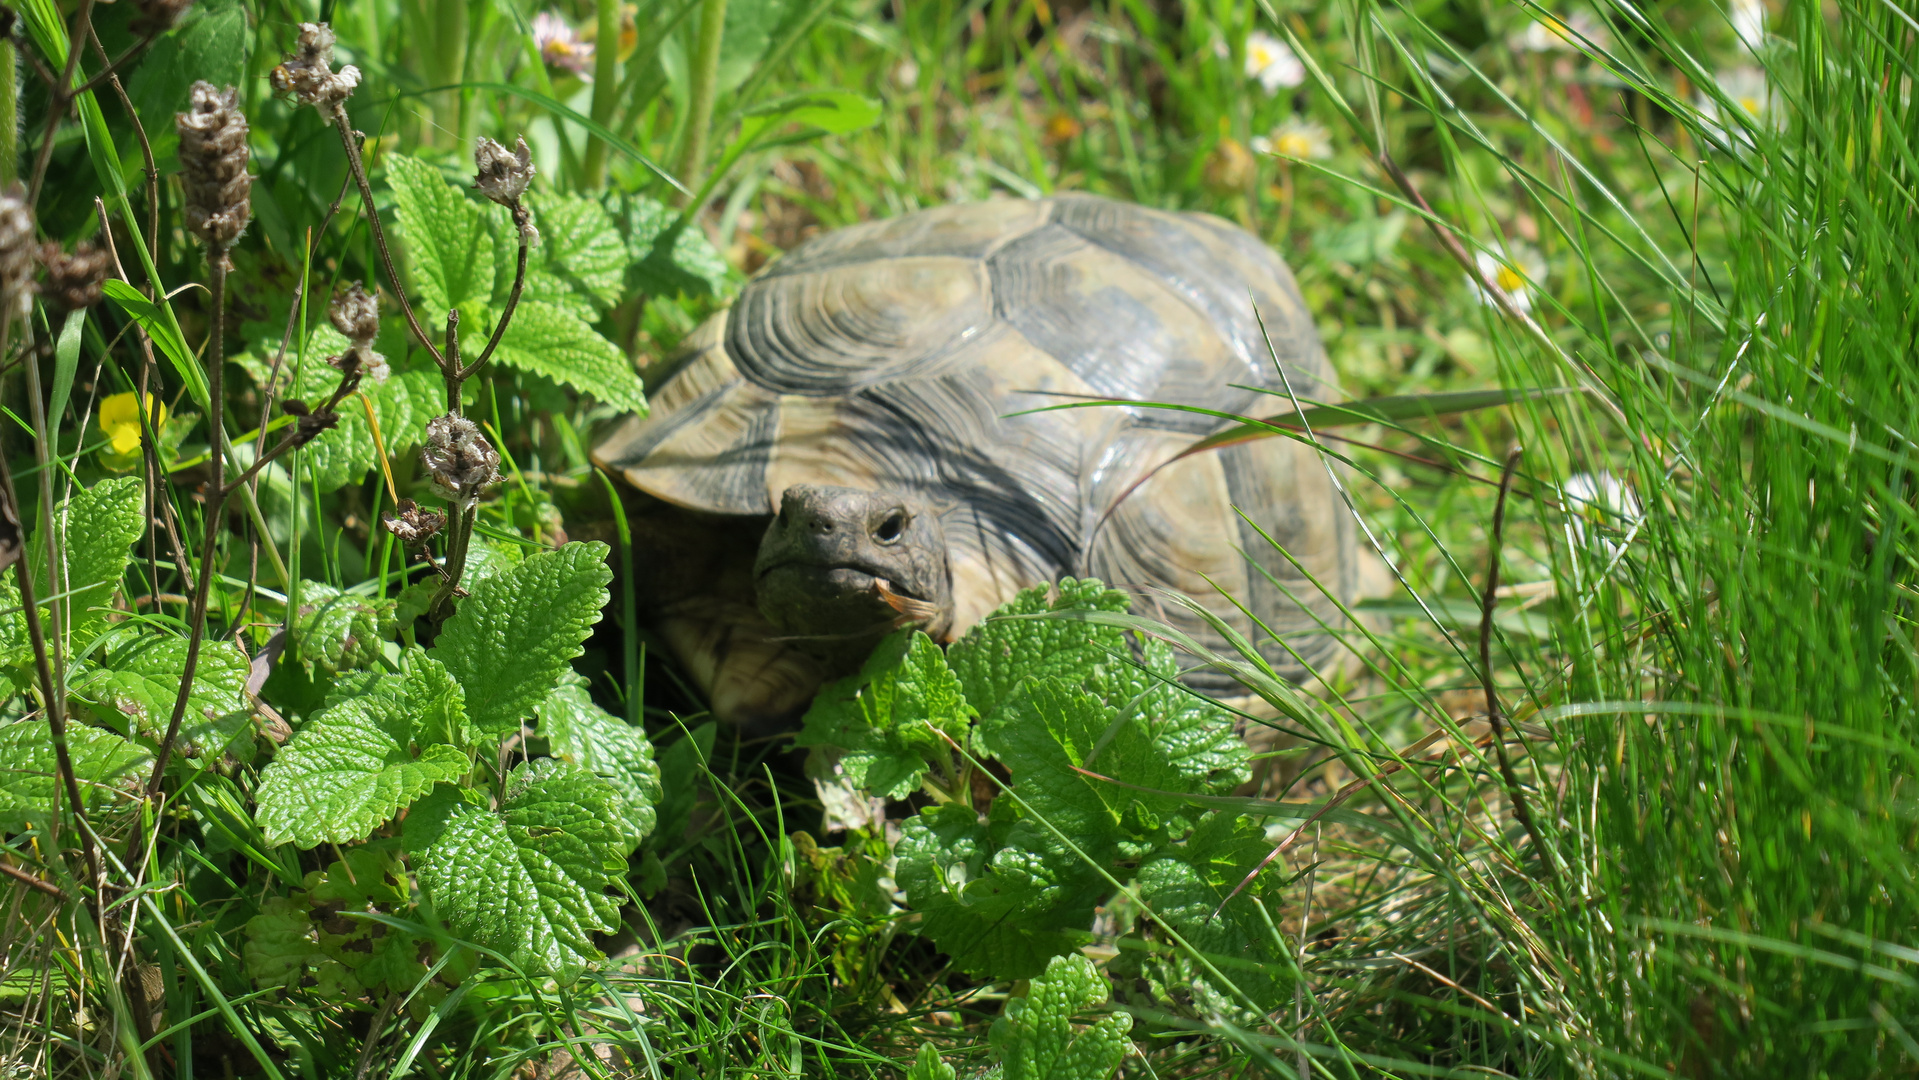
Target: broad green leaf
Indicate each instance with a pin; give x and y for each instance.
(580, 265)
(1035, 1038)
(155, 320)
(1191, 733)
(368, 753)
(993, 924)
(337, 631)
(665, 258)
(448, 241)
(16, 648)
(832, 111)
(1186, 885)
(282, 943)
(516, 633)
(97, 528)
(1003, 650)
(580, 732)
(137, 681)
(103, 763)
(377, 955)
(530, 878)
(548, 341)
(928, 1066)
(210, 42)
(888, 717)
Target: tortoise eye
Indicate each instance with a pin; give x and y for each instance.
(892, 528)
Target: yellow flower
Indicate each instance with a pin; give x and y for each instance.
(120, 419)
(1296, 138)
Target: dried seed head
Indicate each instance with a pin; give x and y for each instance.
(355, 313)
(73, 281)
(458, 459)
(307, 73)
(361, 360)
(16, 253)
(502, 176)
(157, 16)
(414, 524)
(213, 159)
(295, 407)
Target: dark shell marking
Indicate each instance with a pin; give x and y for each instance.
(887, 355)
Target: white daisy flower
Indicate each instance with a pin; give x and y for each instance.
(1602, 501)
(1513, 275)
(560, 45)
(1549, 33)
(1272, 62)
(1296, 138)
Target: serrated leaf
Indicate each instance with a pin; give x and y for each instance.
(1185, 885)
(210, 42)
(580, 265)
(551, 342)
(361, 758)
(580, 732)
(663, 260)
(928, 1066)
(449, 243)
(888, 717)
(104, 764)
(1035, 1038)
(97, 528)
(530, 878)
(994, 657)
(1049, 731)
(137, 681)
(1191, 733)
(282, 943)
(1002, 925)
(515, 634)
(337, 630)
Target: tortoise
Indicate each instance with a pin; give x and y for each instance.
(848, 448)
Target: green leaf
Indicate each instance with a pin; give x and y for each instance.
(282, 943)
(580, 732)
(549, 341)
(888, 718)
(448, 240)
(1188, 731)
(1035, 1038)
(666, 258)
(210, 42)
(1003, 650)
(833, 111)
(580, 265)
(998, 910)
(154, 319)
(514, 636)
(137, 681)
(368, 753)
(337, 631)
(530, 878)
(928, 1066)
(104, 764)
(1185, 885)
(97, 528)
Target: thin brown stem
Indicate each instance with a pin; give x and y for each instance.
(452, 368)
(512, 301)
(32, 882)
(215, 509)
(358, 168)
(1489, 601)
(113, 67)
(146, 155)
(61, 99)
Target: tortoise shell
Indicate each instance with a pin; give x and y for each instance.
(891, 355)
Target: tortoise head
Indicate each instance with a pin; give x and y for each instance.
(840, 567)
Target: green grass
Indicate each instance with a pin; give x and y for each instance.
(1714, 681)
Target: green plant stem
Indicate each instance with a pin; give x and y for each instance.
(9, 114)
(706, 81)
(606, 89)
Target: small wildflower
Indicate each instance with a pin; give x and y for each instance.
(1272, 62)
(1747, 89)
(307, 73)
(414, 524)
(1513, 281)
(1602, 501)
(120, 421)
(1061, 127)
(74, 281)
(213, 159)
(1748, 19)
(1296, 138)
(458, 459)
(906, 74)
(560, 45)
(1549, 33)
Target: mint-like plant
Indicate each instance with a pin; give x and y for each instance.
(1035, 1038)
